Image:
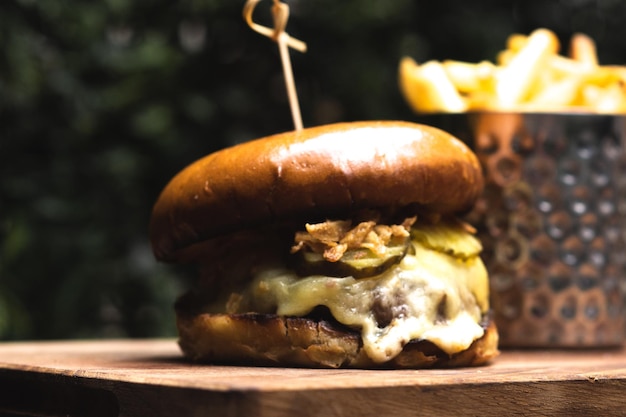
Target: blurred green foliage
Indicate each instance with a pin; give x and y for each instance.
(102, 102)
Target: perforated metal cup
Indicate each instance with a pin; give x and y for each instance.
(551, 221)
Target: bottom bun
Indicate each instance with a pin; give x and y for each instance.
(270, 340)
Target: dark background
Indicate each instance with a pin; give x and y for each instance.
(102, 102)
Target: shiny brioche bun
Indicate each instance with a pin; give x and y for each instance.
(314, 174)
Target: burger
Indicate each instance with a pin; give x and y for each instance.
(333, 246)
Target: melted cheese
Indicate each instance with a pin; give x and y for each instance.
(429, 295)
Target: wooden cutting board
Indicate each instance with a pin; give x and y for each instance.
(149, 378)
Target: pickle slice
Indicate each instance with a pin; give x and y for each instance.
(358, 263)
(449, 237)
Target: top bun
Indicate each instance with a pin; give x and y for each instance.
(315, 174)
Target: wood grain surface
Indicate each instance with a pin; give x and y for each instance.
(149, 377)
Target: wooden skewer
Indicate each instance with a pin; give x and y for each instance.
(280, 13)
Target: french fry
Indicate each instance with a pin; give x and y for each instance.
(599, 75)
(427, 87)
(516, 41)
(590, 95)
(483, 100)
(504, 57)
(528, 75)
(514, 44)
(560, 94)
(566, 67)
(611, 99)
(468, 77)
(583, 50)
(606, 75)
(515, 81)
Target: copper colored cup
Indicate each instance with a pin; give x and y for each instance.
(552, 223)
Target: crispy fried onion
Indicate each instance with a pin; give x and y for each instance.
(333, 238)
